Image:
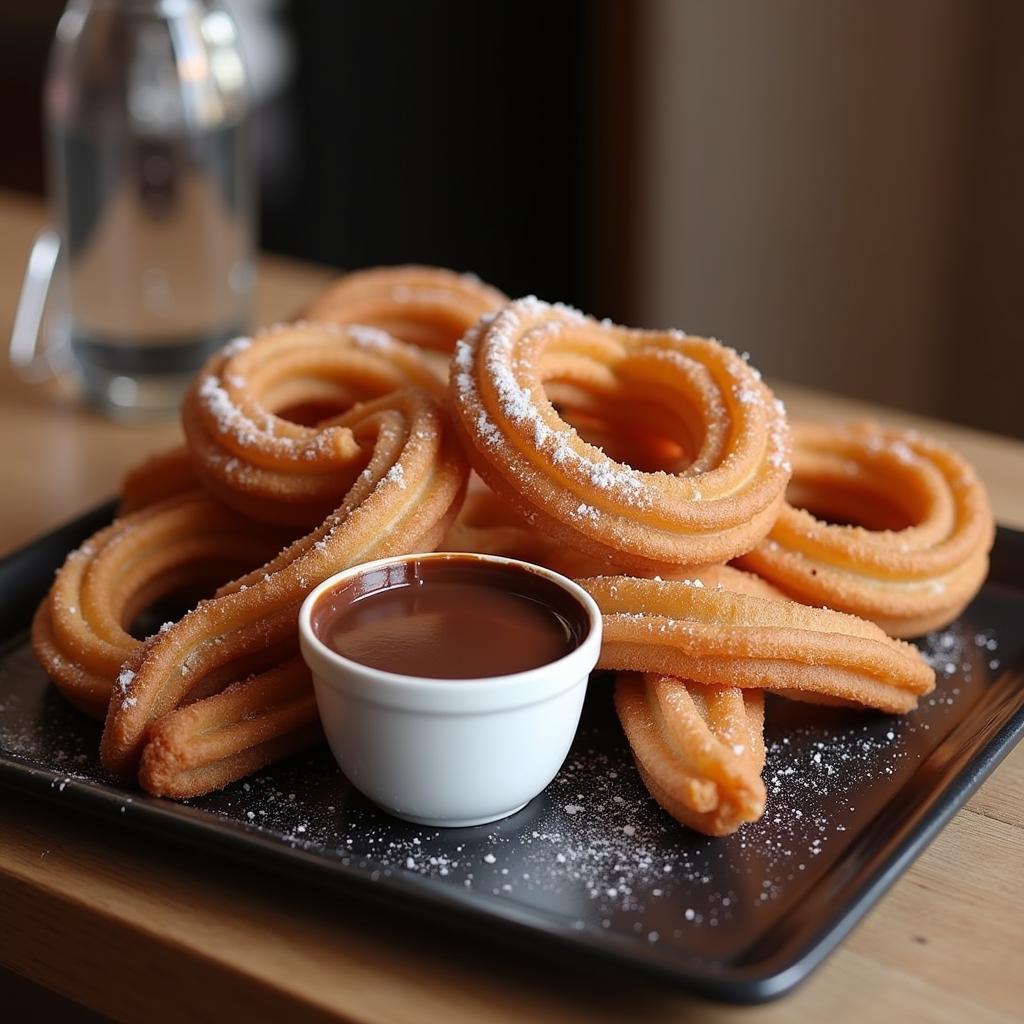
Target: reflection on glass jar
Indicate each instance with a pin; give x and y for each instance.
(152, 176)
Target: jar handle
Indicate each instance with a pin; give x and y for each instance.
(29, 361)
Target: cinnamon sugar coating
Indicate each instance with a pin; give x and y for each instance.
(913, 549)
(722, 638)
(80, 631)
(426, 306)
(404, 477)
(699, 749)
(712, 404)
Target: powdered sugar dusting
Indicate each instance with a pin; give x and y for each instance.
(260, 430)
(778, 438)
(594, 853)
(505, 345)
(370, 337)
(236, 346)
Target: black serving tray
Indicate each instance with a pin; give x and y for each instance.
(593, 866)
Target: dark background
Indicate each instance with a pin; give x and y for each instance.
(460, 141)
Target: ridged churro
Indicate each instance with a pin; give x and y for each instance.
(80, 633)
(722, 638)
(910, 548)
(699, 749)
(726, 421)
(406, 480)
(425, 306)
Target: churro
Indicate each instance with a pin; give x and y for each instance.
(726, 421)
(425, 306)
(410, 481)
(722, 638)
(910, 548)
(80, 633)
(699, 749)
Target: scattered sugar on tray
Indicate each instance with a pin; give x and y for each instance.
(47, 734)
(950, 652)
(613, 840)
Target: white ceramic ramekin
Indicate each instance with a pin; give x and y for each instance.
(449, 752)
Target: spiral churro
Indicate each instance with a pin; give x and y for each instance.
(916, 551)
(408, 482)
(712, 404)
(80, 631)
(250, 454)
(425, 306)
(167, 474)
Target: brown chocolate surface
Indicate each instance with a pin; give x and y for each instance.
(453, 618)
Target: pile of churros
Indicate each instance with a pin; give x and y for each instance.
(413, 409)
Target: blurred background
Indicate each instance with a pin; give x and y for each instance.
(834, 187)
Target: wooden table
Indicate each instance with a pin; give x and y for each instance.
(141, 931)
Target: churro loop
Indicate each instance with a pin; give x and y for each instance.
(80, 631)
(698, 749)
(267, 465)
(723, 419)
(919, 550)
(722, 638)
(487, 524)
(426, 306)
(402, 500)
(167, 474)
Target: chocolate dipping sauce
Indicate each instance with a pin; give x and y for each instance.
(450, 618)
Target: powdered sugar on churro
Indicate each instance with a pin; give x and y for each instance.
(497, 377)
(371, 337)
(236, 346)
(396, 475)
(254, 427)
(525, 409)
(258, 431)
(122, 687)
(229, 418)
